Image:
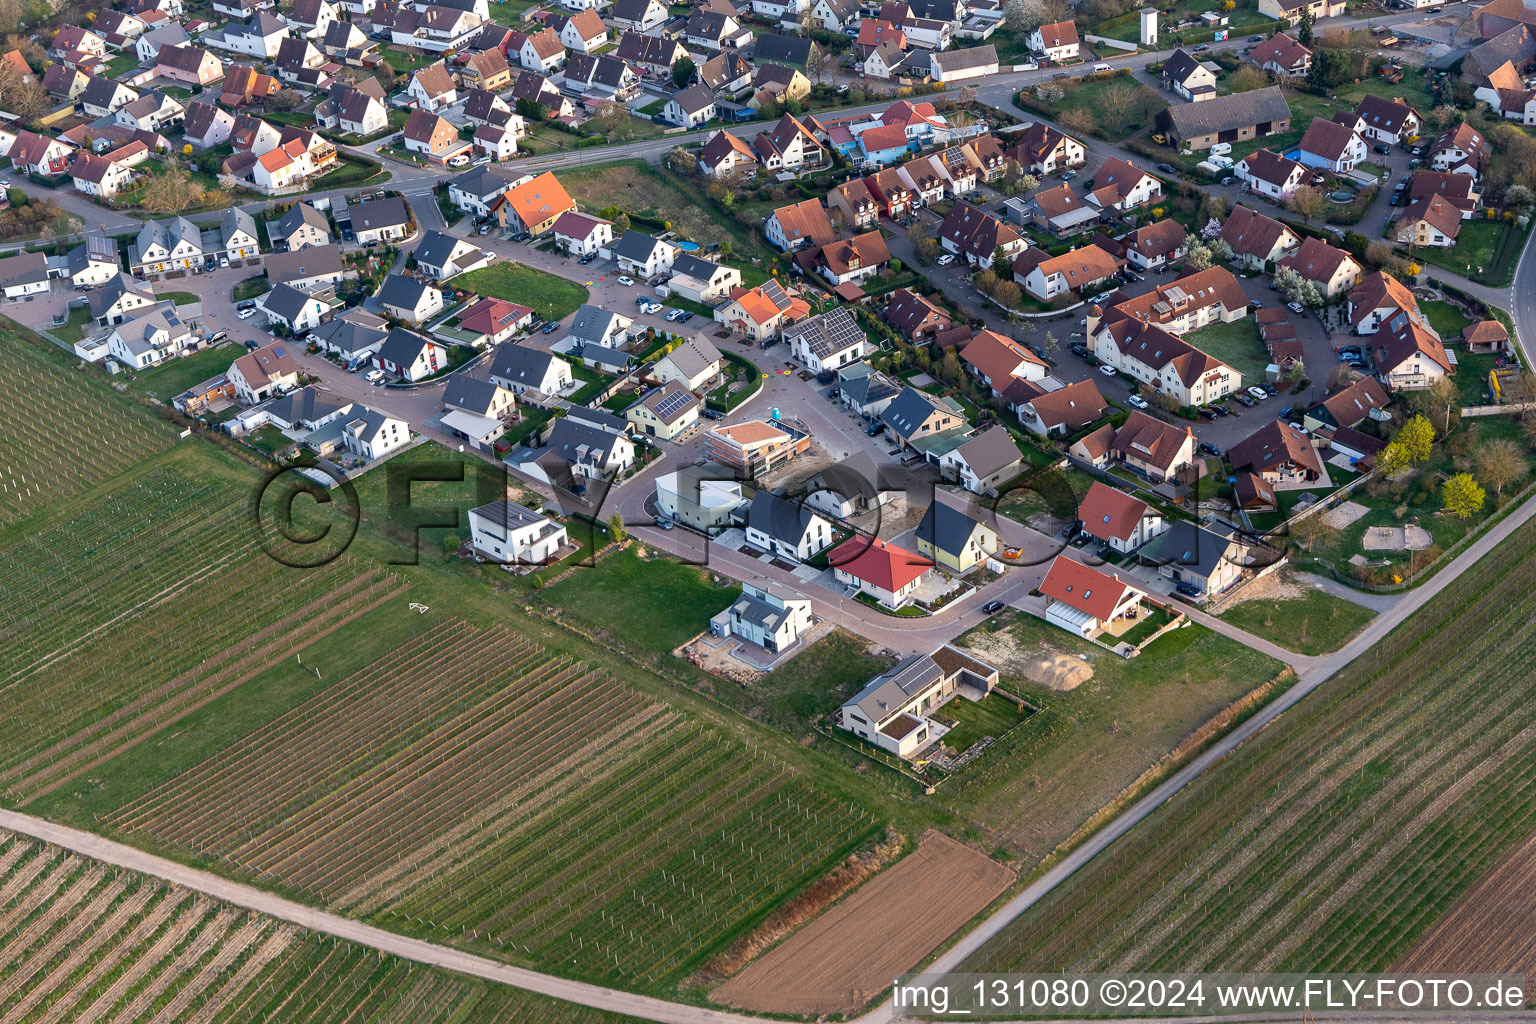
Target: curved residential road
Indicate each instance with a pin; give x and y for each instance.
(251, 898)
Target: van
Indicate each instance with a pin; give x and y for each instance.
(1101, 67)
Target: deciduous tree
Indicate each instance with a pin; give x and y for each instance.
(1463, 496)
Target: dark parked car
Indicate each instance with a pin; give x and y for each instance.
(992, 606)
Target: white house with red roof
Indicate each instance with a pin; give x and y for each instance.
(1085, 601)
(889, 574)
(1122, 521)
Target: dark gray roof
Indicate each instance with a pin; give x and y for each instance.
(947, 528)
(286, 301)
(776, 49)
(828, 333)
(403, 346)
(521, 364)
(1224, 113)
(470, 393)
(379, 213)
(300, 265)
(779, 518)
(297, 216)
(402, 291)
(1188, 546)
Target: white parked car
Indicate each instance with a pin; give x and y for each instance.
(1136, 402)
(1258, 394)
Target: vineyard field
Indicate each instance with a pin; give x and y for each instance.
(69, 434)
(475, 788)
(82, 941)
(136, 609)
(1338, 837)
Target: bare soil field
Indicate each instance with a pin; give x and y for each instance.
(1491, 929)
(846, 957)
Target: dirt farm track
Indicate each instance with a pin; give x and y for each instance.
(845, 957)
(1491, 929)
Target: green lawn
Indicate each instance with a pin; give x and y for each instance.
(551, 297)
(807, 687)
(171, 378)
(1237, 344)
(1445, 318)
(1489, 247)
(650, 605)
(1315, 624)
(991, 716)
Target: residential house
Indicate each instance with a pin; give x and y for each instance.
(692, 363)
(1209, 560)
(1041, 149)
(1155, 245)
(1121, 521)
(789, 146)
(828, 341)
(1120, 186)
(576, 234)
(533, 206)
(310, 268)
(189, 64)
(1282, 55)
(978, 236)
(1331, 146)
(665, 412)
(1240, 117)
(380, 220)
(1084, 601)
(302, 225)
(848, 260)
(1278, 453)
(1459, 150)
(1047, 277)
(891, 711)
(915, 317)
(798, 226)
(888, 574)
(1056, 41)
(512, 534)
(1388, 120)
(1056, 413)
(786, 528)
(984, 463)
(298, 311)
(410, 356)
(1187, 76)
(1333, 270)
(954, 538)
(263, 373)
(522, 369)
(1257, 240)
(701, 280)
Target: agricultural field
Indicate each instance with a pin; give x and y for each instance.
(57, 443)
(426, 791)
(83, 941)
(139, 607)
(1337, 838)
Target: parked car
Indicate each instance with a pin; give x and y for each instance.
(992, 607)
(1136, 402)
